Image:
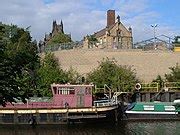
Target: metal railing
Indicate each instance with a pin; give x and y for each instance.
(150, 86)
(172, 85)
(161, 38)
(156, 86)
(62, 46)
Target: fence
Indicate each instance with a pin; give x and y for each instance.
(172, 85)
(151, 87)
(62, 46)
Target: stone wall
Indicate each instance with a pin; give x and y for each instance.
(147, 64)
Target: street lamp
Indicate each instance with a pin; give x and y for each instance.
(154, 30)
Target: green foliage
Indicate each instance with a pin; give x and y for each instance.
(92, 40)
(73, 76)
(174, 76)
(160, 82)
(18, 63)
(21, 72)
(59, 38)
(177, 38)
(50, 72)
(24, 54)
(176, 41)
(117, 77)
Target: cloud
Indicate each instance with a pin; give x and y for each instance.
(80, 17)
(141, 25)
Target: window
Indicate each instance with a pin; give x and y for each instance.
(88, 91)
(114, 39)
(66, 90)
(55, 90)
(72, 92)
(104, 39)
(101, 41)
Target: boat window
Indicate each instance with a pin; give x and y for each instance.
(88, 91)
(66, 90)
(55, 90)
(72, 92)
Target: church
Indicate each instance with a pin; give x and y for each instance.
(56, 28)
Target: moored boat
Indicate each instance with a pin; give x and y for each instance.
(153, 111)
(69, 104)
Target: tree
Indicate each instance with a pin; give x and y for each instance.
(176, 39)
(92, 40)
(59, 38)
(9, 87)
(73, 76)
(117, 77)
(174, 76)
(24, 54)
(160, 81)
(18, 63)
(50, 72)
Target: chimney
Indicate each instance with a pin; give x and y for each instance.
(110, 17)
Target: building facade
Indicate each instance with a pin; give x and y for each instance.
(115, 35)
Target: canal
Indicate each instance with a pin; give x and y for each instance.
(123, 128)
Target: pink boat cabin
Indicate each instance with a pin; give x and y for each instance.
(72, 95)
(64, 95)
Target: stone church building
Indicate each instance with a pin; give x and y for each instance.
(115, 35)
(56, 28)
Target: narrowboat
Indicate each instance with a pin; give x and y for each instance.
(162, 105)
(153, 111)
(69, 104)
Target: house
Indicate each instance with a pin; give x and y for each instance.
(115, 35)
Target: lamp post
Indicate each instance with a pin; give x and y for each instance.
(154, 31)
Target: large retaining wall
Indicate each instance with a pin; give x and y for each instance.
(148, 64)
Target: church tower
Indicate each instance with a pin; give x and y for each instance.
(62, 29)
(57, 28)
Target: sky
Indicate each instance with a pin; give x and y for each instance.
(84, 17)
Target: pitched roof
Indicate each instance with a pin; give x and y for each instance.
(103, 31)
(100, 33)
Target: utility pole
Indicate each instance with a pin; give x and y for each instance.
(154, 31)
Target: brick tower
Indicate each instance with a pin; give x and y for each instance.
(110, 17)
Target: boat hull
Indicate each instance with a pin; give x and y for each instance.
(134, 115)
(152, 111)
(58, 116)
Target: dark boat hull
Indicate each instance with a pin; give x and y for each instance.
(152, 116)
(153, 111)
(59, 116)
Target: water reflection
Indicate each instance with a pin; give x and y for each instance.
(125, 128)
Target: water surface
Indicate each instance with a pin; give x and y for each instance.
(123, 128)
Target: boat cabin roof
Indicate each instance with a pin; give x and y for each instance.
(71, 85)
